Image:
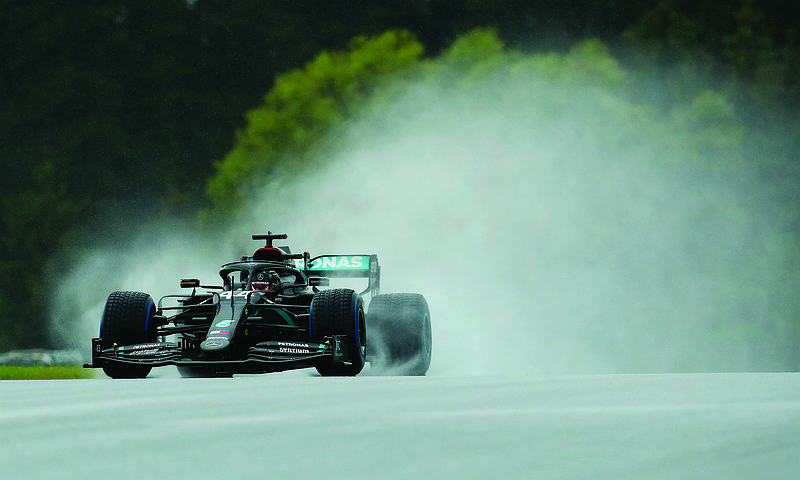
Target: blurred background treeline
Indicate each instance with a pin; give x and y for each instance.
(115, 113)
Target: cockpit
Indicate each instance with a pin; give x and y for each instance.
(240, 276)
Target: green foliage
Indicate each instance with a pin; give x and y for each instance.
(303, 105)
(478, 46)
(284, 134)
(589, 62)
(710, 119)
(756, 41)
(306, 105)
(32, 220)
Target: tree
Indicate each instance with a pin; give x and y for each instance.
(303, 106)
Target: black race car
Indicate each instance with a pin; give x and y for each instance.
(272, 312)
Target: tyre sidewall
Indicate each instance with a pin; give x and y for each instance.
(127, 320)
(340, 312)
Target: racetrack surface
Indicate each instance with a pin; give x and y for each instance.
(297, 425)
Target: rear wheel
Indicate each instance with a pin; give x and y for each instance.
(399, 327)
(127, 320)
(340, 312)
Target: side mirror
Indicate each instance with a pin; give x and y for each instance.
(319, 281)
(190, 283)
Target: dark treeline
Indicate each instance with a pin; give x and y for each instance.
(112, 106)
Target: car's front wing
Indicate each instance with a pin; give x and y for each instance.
(283, 355)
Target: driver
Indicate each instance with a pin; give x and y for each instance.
(268, 282)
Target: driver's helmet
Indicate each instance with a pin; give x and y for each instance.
(266, 281)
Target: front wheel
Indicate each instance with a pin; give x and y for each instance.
(340, 311)
(127, 320)
(399, 327)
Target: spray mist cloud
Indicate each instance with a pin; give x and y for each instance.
(548, 230)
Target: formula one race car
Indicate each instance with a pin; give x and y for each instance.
(272, 313)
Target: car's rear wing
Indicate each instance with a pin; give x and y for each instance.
(344, 266)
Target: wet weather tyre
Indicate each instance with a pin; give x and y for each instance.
(340, 312)
(399, 328)
(126, 321)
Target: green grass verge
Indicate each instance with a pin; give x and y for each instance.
(8, 372)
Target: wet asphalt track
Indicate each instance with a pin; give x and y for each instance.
(294, 425)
